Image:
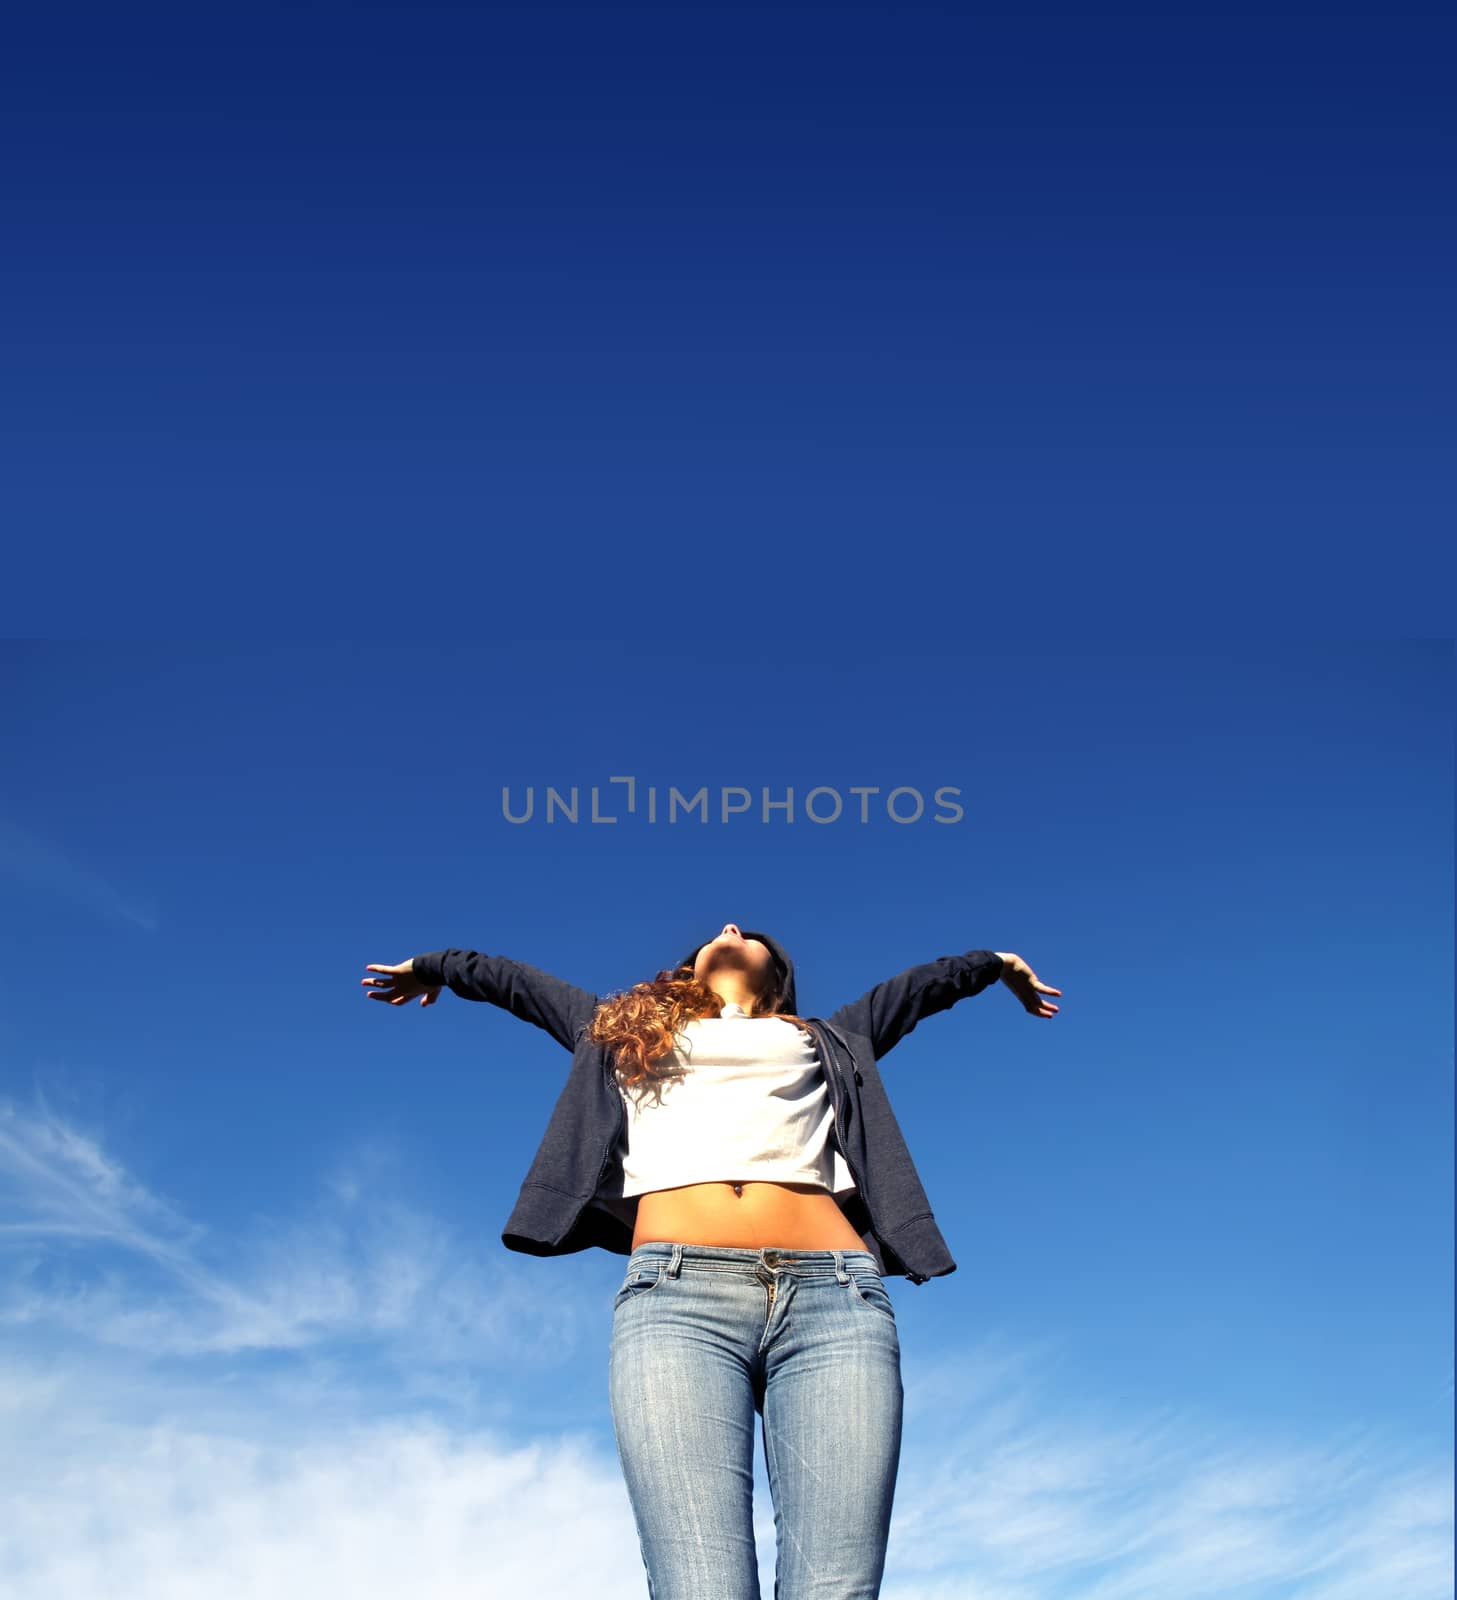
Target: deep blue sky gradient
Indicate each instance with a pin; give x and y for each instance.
(279, 274)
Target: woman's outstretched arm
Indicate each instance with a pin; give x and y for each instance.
(886, 1013)
(525, 991)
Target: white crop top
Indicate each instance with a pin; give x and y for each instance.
(751, 1104)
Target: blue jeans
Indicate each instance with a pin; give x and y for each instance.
(700, 1345)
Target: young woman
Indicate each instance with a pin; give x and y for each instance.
(759, 1162)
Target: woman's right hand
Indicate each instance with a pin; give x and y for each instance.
(399, 986)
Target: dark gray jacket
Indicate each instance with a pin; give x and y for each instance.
(572, 1198)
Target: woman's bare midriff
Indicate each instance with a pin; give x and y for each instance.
(798, 1215)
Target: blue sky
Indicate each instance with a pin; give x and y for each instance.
(469, 280)
(257, 1318)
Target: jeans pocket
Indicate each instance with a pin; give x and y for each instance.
(640, 1280)
(869, 1289)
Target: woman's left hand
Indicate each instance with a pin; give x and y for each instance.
(1025, 984)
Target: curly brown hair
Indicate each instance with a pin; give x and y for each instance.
(641, 1024)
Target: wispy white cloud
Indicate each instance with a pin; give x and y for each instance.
(30, 859)
(173, 1509)
(361, 1263)
(299, 1411)
(1017, 1497)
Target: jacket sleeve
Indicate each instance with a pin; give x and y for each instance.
(525, 991)
(886, 1013)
